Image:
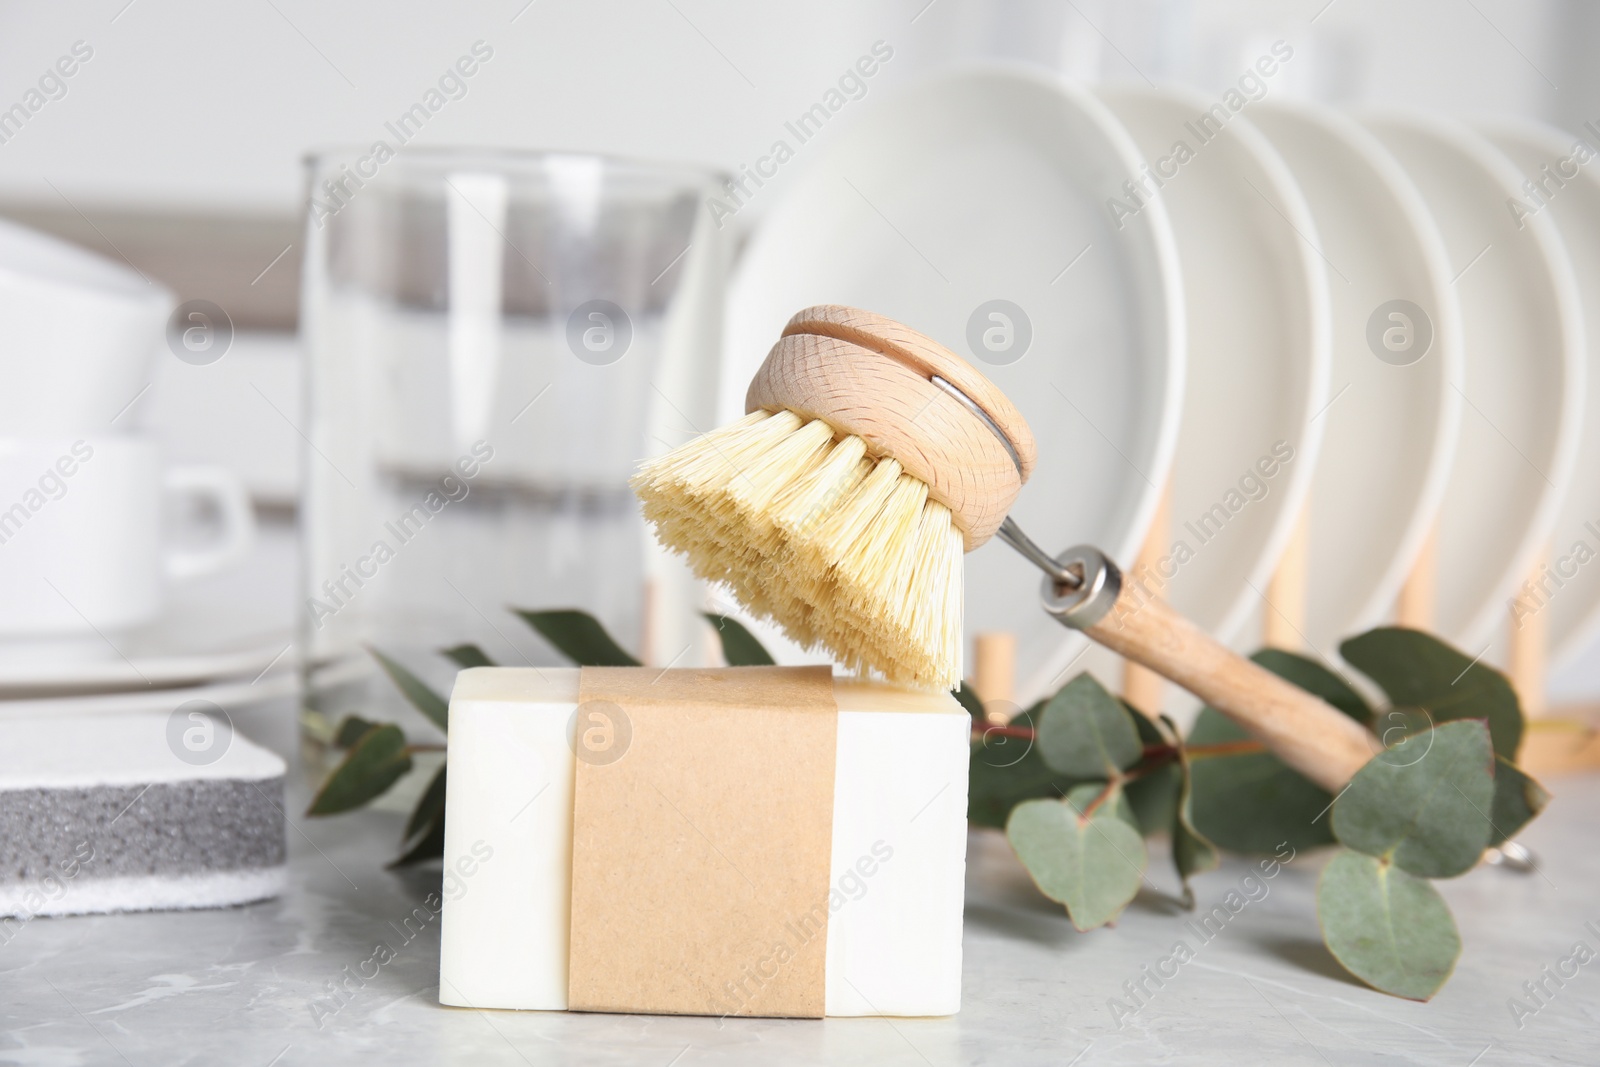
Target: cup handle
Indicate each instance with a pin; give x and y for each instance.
(225, 492)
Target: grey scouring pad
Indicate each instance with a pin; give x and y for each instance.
(115, 813)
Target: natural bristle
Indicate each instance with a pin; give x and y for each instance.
(842, 551)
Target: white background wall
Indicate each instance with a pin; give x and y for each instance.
(204, 103)
(208, 105)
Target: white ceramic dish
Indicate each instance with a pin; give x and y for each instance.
(1570, 592)
(1523, 375)
(993, 184)
(1390, 424)
(1256, 291)
(182, 648)
(231, 696)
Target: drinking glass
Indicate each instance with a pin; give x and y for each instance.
(493, 340)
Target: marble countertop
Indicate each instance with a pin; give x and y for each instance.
(250, 985)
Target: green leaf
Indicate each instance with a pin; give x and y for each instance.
(1117, 804)
(969, 699)
(1004, 771)
(429, 807)
(351, 729)
(578, 636)
(370, 768)
(1389, 929)
(1192, 853)
(1426, 808)
(739, 646)
(1085, 732)
(1417, 670)
(1092, 864)
(429, 846)
(1153, 795)
(1253, 802)
(1150, 731)
(1517, 799)
(416, 691)
(466, 656)
(1397, 726)
(1154, 798)
(1317, 680)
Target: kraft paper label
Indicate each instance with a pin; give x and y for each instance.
(702, 840)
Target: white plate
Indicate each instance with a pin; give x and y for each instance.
(1390, 425)
(1522, 330)
(231, 696)
(1573, 605)
(1257, 297)
(992, 184)
(183, 648)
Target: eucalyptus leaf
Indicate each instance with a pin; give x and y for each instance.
(969, 699)
(467, 656)
(1192, 853)
(1154, 798)
(1092, 864)
(1150, 731)
(350, 730)
(1517, 799)
(1386, 927)
(1398, 726)
(578, 636)
(430, 806)
(1317, 680)
(1427, 808)
(416, 691)
(739, 646)
(428, 847)
(1153, 795)
(1417, 670)
(1252, 802)
(368, 770)
(1085, 732)
(1004, 771)
(1117, 804)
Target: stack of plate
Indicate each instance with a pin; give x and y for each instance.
(228, 659)
(1321, 362)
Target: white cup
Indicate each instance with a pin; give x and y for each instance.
(78, 334)
(82, 545)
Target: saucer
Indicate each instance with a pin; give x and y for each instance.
(182, 648)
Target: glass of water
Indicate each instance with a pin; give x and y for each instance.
(493, 340)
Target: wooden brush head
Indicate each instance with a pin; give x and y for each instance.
(872, 377)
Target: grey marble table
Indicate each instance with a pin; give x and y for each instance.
(249, 985)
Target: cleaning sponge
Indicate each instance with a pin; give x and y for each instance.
(103, 814)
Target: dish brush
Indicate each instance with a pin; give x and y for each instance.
(870, 460)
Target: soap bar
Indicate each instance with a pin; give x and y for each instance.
(898, 851)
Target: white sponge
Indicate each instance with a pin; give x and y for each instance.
(135, 813)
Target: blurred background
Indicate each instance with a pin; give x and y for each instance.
(176, 146)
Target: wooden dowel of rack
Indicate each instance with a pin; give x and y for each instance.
(994, 673)
(1141, 686)
(1285, 621)
(1419, 595)
(1527, 651)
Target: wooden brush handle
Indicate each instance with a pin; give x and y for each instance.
(1319, 741)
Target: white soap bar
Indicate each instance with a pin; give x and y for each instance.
(899, 846)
